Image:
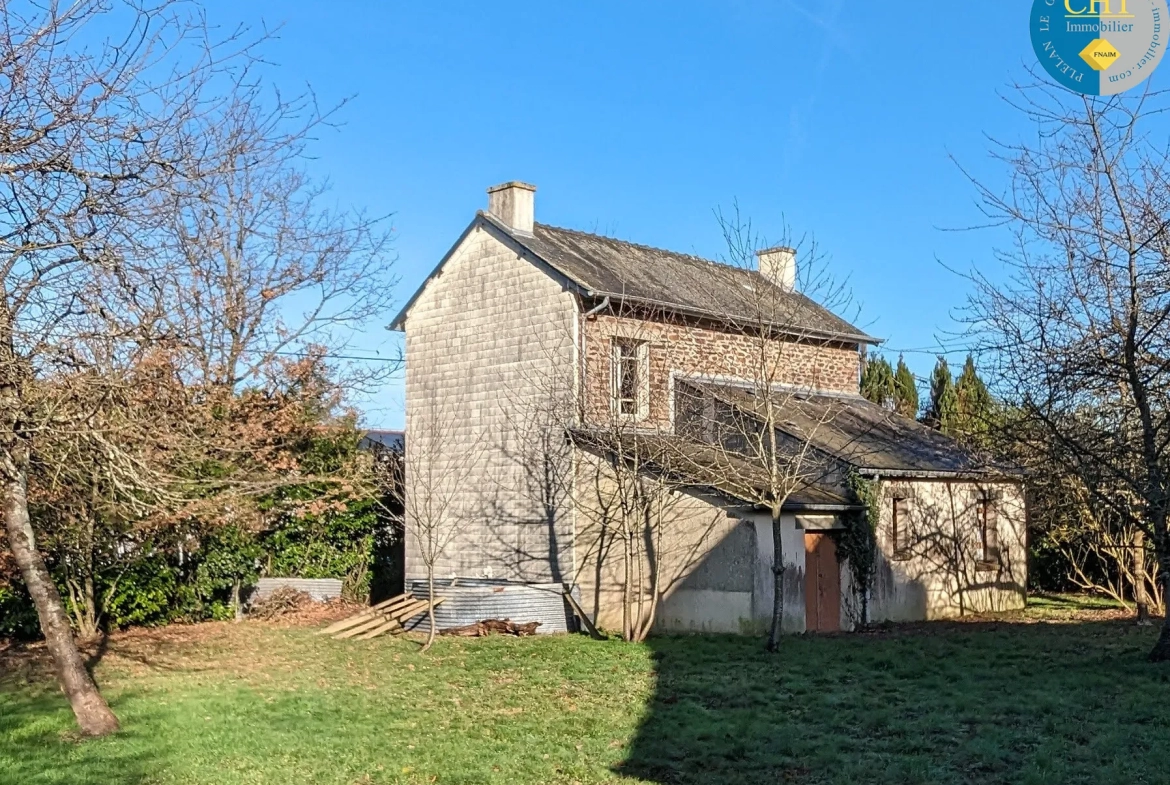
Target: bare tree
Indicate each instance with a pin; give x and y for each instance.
(762, 437)
(634, 499)
(1077, 332)
(102, 136)
(94, 480)
(1098, 550)
(257, 264)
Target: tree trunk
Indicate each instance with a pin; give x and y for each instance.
(430, 607)
(237, 608)
(778, 578)
(655, 584)
(627, 599)
(1161, 650)
(1140, 597)
(865, 605)
(89, 707)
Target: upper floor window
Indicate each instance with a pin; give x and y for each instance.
(986, 518)
(900, 526)
(631, 372)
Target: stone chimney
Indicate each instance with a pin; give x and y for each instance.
(513, 204)
(779, 266)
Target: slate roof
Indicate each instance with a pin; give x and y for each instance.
(704, 466)
(600, 267)
(863, 434)
(848, 428)
(390, 440)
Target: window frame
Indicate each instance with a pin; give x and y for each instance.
(620, 359)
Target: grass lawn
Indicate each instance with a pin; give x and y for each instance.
(999, 701)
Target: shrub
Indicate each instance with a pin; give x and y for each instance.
(18, 617)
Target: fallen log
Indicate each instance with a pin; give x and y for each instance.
(487, 627)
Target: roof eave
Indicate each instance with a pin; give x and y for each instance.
(398, 324)
(858, 338)
(972, 475)
(810, 507)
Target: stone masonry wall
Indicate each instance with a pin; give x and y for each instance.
(699, 351)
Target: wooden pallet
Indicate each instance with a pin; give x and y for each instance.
(387, 616)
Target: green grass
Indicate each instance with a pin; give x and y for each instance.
(952, 703)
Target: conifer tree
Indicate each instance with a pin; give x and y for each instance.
(942, 413)
(877, 382)
(905, 390)
(974, 403)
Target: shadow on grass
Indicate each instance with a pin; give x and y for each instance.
(1072, 602)
(39, 745)
(962, 703)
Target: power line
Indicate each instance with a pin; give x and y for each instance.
(341, 357)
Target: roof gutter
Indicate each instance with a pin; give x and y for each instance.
(594, 311)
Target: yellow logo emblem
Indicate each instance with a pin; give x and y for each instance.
(1099, 54)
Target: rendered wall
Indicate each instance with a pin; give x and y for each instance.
(720, 565)
(941, 574)
(715, 562)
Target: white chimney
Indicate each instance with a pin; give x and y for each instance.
(513, 204)
(779, 266)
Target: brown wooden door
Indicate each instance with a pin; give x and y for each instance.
(822, 584)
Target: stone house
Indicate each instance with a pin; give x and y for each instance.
(593, 414)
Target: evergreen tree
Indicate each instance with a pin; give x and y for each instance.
(974, 403)
(942, 413)
(877, 382)
(905, 390)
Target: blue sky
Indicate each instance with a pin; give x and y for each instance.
(640, 119)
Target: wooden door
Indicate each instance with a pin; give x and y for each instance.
(822, 584)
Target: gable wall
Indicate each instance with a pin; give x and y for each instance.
(699, 351)
(489, 354)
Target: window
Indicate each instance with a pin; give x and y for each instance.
(900, 526)
(630, 378)
(985, 511)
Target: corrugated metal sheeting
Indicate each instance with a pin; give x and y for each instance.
(468, 600)
(320, 589)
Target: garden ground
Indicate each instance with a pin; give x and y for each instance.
(1059, 694)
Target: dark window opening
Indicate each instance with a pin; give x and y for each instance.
(988, 531)
(900, 527)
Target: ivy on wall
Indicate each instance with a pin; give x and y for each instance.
(858, 542)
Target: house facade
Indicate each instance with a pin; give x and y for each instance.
(635, 425)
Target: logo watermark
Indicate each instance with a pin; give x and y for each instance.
(1100, 47)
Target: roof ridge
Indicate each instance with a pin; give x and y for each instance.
(644, 247)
